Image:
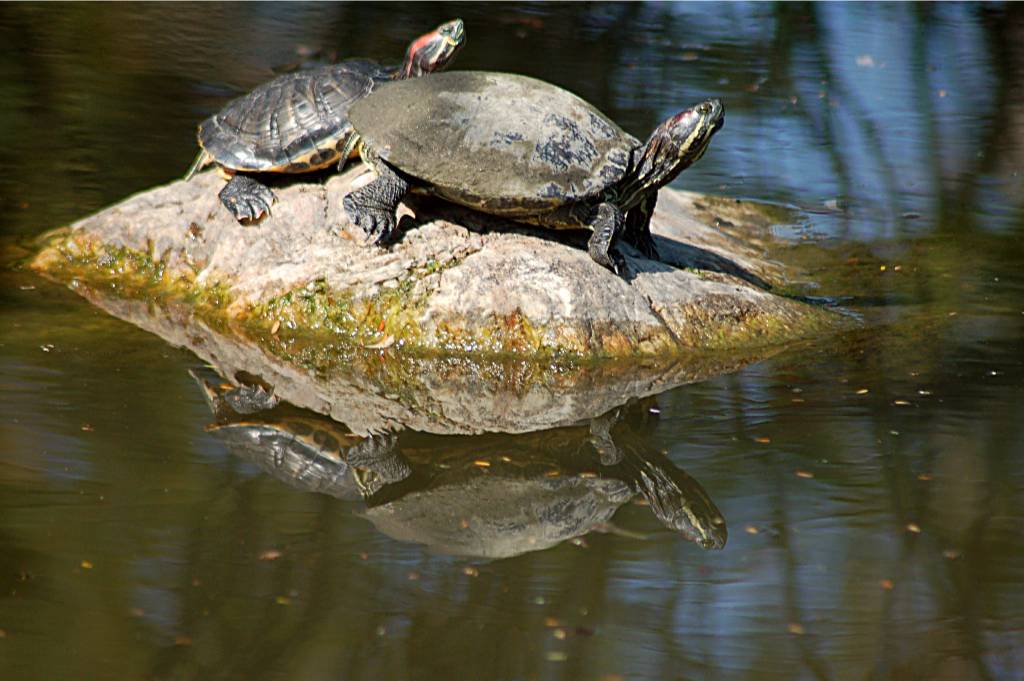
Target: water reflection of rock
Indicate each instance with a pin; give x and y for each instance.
(485, 496)
(373, 391)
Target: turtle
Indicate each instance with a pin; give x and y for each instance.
(482, 496)
(297, 446)
(495, 497)
(521, 148)
(297, 122)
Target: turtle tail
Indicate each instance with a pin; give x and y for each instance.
(201, 160)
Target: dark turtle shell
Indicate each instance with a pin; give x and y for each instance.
(499, 142)
(295, 123)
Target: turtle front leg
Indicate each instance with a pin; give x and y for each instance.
(380, 454)
(638, 226)
(601, 437)
(373, 207)
(247, 199)
(608, 223)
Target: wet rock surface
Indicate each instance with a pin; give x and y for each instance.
(453, 280)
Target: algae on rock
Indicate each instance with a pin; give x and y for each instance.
(454, 281)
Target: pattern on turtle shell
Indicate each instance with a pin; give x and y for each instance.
(294, 123)
(502, 142)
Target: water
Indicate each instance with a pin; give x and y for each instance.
(872, 484)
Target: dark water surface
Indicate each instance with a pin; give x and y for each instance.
(872, 483)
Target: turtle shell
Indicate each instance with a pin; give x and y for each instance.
(296, 123)
(497, 142)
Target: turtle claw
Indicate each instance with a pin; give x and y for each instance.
(612, 260)
(376, 224)
(618, 264)
(373, 206)
(247, 199)
(607, 225)
(605, 260)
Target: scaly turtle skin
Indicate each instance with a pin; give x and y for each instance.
(298, 122)
(521, 148)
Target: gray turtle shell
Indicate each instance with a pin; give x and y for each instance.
(497, 142)
(489, 516)
(295, 123)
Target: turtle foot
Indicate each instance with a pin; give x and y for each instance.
(377, 224)
(247, 199)
(373, 207)
(250, 399)
(609, 259)
(612, 261)
(607, 226)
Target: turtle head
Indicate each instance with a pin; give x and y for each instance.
(678, 142)
(677, 499)
(434, 51)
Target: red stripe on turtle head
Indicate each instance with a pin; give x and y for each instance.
(433, 51)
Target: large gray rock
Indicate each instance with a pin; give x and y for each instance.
(455, 280)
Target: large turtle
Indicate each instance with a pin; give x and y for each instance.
(518, 147)
(298, 122)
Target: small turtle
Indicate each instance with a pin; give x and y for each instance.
(521, 148)
(298, 446)
(298, 122)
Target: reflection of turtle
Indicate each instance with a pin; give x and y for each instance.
(298, 122)
(525, 149)
(675, 498)
(249, 396)
(498, 497)
(482, 496)
(297, 446)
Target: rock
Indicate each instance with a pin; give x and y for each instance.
(379, 391)
(455, 280)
